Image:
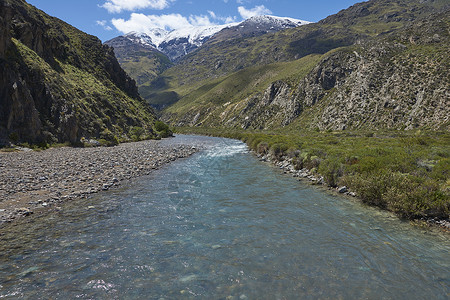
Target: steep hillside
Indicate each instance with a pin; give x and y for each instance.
(59, 84)
(141, 60)
(392, 75)
(397, 81)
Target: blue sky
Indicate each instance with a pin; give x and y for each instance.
(110, 18)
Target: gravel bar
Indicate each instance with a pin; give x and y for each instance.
(32, 181)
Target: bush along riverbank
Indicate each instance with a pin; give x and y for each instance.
(405, 172)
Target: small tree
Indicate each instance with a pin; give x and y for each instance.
(162, 129)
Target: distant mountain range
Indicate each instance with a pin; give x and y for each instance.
(375, 65)
(146, 55)
(180, 42)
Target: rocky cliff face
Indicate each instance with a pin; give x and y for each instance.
(17, 110)
(274, 108)
(142, 61)
(398, 81)
(58, 84)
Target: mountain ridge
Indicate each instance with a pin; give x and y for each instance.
(329, 96)
(58, 84)
(193, 37)
(141, 58)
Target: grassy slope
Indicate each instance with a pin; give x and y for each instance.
(144, 66)
(218, 94)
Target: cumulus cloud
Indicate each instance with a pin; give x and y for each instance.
(143, 23)
(200, 21)
(255, 11)
(117, 6)
(222, 19)
(104, 24)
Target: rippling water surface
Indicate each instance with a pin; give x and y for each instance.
(221, 225)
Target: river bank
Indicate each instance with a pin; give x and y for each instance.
(404, 172)
(36, 181)
(288, 167)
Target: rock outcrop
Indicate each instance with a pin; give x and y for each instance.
(398, 82)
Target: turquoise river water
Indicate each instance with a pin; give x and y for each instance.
(221, 225)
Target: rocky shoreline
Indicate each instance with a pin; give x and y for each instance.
(36, 181)
(304, 174)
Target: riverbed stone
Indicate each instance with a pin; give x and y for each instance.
(63, 174)
(342, 189)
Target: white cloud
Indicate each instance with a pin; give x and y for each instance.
(230, 20)
(212, 14)
(200, 21)
(224, 20)
(104, 24)
(144, 23)
(117, 6)
(255, 11)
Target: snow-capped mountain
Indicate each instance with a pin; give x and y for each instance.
(256, 26)
(152, 38)
(275, 22)
(179, 42)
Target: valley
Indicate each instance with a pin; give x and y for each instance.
(373, 77)
(211, 156)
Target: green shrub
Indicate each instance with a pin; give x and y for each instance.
(136, 133)
(370, 187)
(162, 129)
(297, 162)
(161, 126)
(262, 148)
(312, 162)
(293, 153)
(277, 151)
(441, 171)
(107, 138)
(332, 171)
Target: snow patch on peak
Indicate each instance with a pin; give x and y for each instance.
(195, 34)
(279, 21)
(153, 37)
(177, 42)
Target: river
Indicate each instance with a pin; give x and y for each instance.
(221, 225)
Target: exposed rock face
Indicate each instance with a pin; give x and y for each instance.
(46, 68)
(179, 47)
(275, 107)
(384, 84)
(17, 109)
